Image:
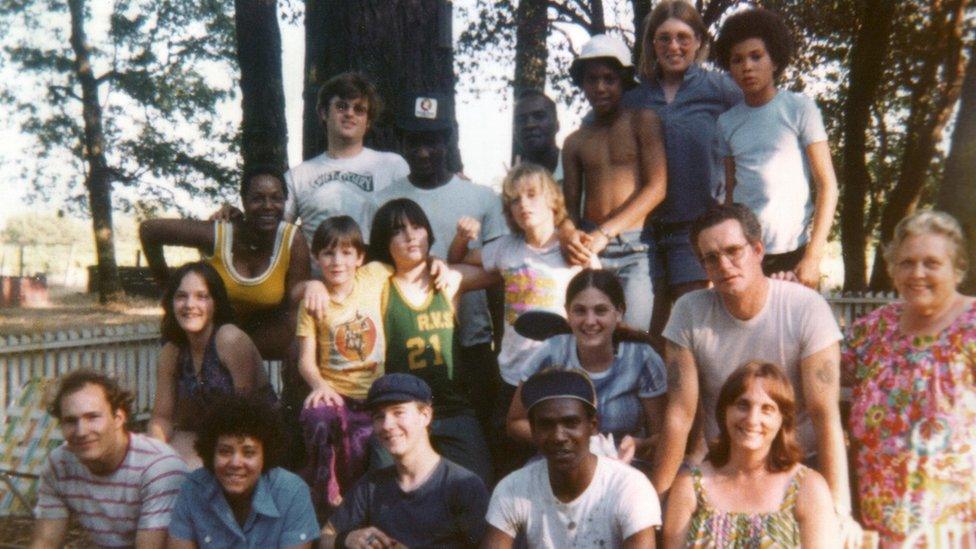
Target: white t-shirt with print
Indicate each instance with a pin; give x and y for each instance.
(444, 206)
(535, 279)
(618, 503)
(323, 187)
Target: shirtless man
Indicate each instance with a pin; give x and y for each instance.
(617, 163)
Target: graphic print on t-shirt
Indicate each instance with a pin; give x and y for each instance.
(363, 181)
(356, 338)
(526, 289)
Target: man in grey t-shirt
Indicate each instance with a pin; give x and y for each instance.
(747, 316)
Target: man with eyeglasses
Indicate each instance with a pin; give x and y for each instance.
(747, 316)
(345, 178)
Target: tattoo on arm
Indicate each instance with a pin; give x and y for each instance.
(825, 372)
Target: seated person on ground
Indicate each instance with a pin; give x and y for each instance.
(118, 485)
(423, 499)
(205, 355)
(240, 497)
(572, 498)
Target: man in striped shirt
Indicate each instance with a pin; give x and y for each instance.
(119, 485)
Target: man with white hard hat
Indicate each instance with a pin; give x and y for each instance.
(615, 175)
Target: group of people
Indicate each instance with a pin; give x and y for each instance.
(686, 217)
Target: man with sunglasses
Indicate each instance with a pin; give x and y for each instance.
(747, 316)
(345, 178)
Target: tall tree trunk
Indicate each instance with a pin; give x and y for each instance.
(933, 99)
(641, 9)
(402, 45)
(264, 134)
(531, 51)
(957, 194)
(715, 8)
(98, 179)
(867, 62)
(598, 23)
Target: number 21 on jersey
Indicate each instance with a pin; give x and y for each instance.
(416, 347)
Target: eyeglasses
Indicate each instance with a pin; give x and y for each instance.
(345, 106)
(732, 253)
(665, 39)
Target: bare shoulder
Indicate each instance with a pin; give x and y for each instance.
(168, 355)
(572, 142)
(813, 495)
(645, 117)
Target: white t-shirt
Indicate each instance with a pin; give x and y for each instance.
(323, 187)
(444, 206)
(535, 279)
(794, 323)
(772, 174)
(618, 503)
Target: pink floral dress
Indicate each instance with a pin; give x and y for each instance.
(913, 421)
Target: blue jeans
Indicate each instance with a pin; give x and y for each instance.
(628, 256)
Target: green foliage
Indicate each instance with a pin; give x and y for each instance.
(166, 72)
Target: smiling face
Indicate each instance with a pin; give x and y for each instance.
(402, 426)
(753, 69)
(675, 47)
(264, 203)
(339, 264)
(924, 273)
(732, 264)
(193, 305)
(593, 318)
(346, 120)
(409, 245)
(602, 86)
(238, 461)
(561, 430)
(753, 419)
(93, 432)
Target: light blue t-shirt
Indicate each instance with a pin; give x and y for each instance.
(281, 513)
(772, 173)
(637, 372)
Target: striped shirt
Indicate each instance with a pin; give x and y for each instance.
(138, 495)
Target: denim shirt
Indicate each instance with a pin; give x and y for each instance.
(695, 173)
(281, 513)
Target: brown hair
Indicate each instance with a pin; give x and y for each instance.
(526, 171)
(117, 397)
(669, 9)
(720, 213)
(351, 85)
(785, 451)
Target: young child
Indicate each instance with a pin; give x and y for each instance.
(534, 274)
(617, 162)
(340, 355)
(418, 319)
(775, 146)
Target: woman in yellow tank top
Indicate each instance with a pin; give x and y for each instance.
(261, 259)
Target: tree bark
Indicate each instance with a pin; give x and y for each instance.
(264, 134)
(867, 62)
(98, 180)
(957, 194)
(641, 9)
(933, 98)
(598, 23)
(531, 51)
(402, 45)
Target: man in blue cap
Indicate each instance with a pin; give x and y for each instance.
(572, 498)
(423, 499)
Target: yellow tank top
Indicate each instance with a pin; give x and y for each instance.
(266, 291)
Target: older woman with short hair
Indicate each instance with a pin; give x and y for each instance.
(912, 365)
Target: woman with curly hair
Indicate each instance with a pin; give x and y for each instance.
(241, 497)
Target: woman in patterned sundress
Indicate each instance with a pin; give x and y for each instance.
(912, 365)
(751, 491)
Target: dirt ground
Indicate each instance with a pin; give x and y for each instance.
(69, 309)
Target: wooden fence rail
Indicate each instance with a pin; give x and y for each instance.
(129, 352)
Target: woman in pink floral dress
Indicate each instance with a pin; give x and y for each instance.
(912, 366)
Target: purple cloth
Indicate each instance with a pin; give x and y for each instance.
(336, 443)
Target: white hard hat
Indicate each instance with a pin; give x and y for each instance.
(602, 46)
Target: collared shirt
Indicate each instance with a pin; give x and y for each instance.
(281, 513)
(695, 173)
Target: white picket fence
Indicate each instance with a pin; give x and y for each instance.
(129, 352)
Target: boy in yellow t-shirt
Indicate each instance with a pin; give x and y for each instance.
(340, 354)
